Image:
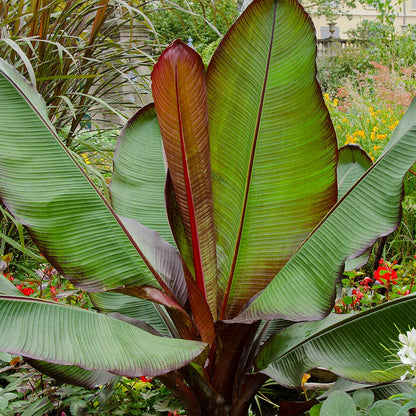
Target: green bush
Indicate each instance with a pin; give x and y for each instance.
(202, 21)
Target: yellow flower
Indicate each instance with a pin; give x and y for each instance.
(338, 127)
(350, 139)
(381, 136)
(373, 135)
(376, 148)
(393, 125)
(359, 133)
(305, 378)
(334, 103)
(326, 97)
(344, 120)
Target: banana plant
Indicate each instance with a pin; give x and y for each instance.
(215, 263)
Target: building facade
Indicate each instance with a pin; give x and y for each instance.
(405, 16)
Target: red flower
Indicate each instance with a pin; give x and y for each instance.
(25, 290)
(358, 295)
(53, 290)
(9, 276)
(385, 275)
(366, 281)
(146, 379)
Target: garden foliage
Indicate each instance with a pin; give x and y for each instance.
(81, 56)
(201, 22)
(237, 280)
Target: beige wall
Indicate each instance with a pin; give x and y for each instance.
(405, 15)
(361, 13)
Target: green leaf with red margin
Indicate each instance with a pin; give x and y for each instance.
(179, 91)
(304, 288)
(353, 162)
(177, 225)
(139, 172)
(63, 373)
(135, 308)
(72, 374)
(62, 334)
(359, 347)
(46, 190)
(273, 146)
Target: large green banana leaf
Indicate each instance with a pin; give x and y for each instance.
(381, 391)
(304, 288)
(359, 347)
(139, 172)
(353, 162)
(72, 374)
(135, 308)
(62, 334)
(80, 376)
(67, 374)
(273, 146)
(8, 288)
(72, 224)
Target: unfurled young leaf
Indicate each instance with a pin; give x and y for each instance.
(179, 92)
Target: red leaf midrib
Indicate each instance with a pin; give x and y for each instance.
(196, 250)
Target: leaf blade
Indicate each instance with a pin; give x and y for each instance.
(138, 180)
(72, 374)
(261, 145)
(50, 194)
(353, 162)
(178, 85)
(132, 307)
(373, 209)
(87, 340)
(356, 347)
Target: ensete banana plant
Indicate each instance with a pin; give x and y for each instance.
(215, 264)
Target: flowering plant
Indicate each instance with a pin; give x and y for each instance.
(407, 352)
(386, 273)
(196, 269)
(390, 280)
